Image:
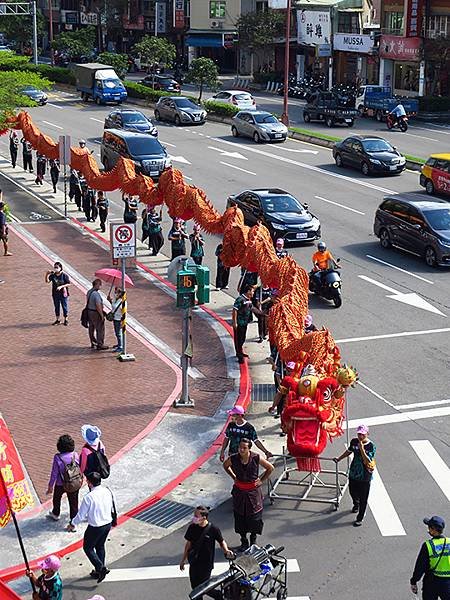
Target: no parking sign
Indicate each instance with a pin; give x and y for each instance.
(123, 240)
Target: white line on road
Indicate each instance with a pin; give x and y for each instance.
(386, 336)
(55, 105)
(238, 168)
(433, 130)
(52, 124)
(383, 510)
(383, 262)
(414, 415)
(422, 137)
(367, 388)
(94, 119)
(341, 205)
(437, 468)
(421, 404)
(379, 284)
(174, 572)
(168, 144)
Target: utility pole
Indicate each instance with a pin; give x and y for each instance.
(285, 115)
(35, 47)
(50, 31)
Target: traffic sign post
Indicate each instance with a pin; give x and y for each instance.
(123, 245)
(64, 160)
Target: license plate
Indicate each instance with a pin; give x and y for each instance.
(278, 135)
(348, 120)
(393, 168)
(301, 236)
(196, 118)
(154, 172)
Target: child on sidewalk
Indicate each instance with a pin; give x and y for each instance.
(48, 585)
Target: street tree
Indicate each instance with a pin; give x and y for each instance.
(11, 84)
(258, 31)
(203, 72)
(155, 50)
(18, 30)
(118, 61)
(75, 44)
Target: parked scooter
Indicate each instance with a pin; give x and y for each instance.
(327, 284)
(401, 122)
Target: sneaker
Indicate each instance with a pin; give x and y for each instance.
(52, 516)
(102, 347)
(57, 322)
(103, 573)
(355, 508)
(72, 530)
(357, 524)
(94, 574)
(66, 322)
(120, 350)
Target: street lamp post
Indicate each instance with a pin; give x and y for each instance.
(285, 115)
(50, 31)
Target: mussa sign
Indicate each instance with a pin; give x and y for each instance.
(348, 42)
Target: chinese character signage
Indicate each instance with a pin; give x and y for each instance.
(178, 14)
(413, 17)
(88, 18)
(313, 27)
(161, 11)
(400, 48)
(12, 480)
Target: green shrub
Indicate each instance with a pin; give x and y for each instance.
(55, 74)
(314, 134)
(137, 90)
(434, 103)
(222, 109)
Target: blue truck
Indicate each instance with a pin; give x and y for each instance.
(99, 82)
(377, 100)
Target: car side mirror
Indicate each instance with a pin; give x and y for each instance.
(338, 260)
(306, 206)
(417, 226)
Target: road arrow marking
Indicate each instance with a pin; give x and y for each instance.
(299, 151)
(229, 154)
(412, 298)
(180, 159)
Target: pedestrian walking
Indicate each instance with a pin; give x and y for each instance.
(103, 207)
(177, 236)
(243, 467)
(243, 311)
(116, 317)
(433, 563)
(27, 155)
(237, 429)
(65, 477)
(54, 172)
(279, 248)
(154, 228)
(222, 272)
(361, 471)
(201, 537)
(4, 227)
(96, 316)
(13, 147)
(262, 299)
(197, 245)
(247, 278)
(75, 188)
(98, 509)
(130, 211)
(60, 292)
(94, 207)
(41, 167)
(86, 202)
(286, 370)
(92, 456)
(49, 584)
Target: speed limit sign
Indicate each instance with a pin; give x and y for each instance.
(123, 240)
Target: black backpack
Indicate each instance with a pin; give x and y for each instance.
(97, 462)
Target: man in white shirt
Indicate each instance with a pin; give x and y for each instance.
(97, 509)
(398, 112)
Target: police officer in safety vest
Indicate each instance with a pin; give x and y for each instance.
(433, 563)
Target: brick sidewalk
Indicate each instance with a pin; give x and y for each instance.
(53, 382)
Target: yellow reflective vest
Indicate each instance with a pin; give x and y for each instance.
(439, 560)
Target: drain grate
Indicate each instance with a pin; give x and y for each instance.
(164, 513)
(263, 392)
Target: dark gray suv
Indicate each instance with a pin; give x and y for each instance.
(417, 224)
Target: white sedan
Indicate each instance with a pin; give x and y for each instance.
(238, 98)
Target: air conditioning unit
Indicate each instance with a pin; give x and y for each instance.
(216, 24)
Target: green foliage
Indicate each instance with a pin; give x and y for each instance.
(203, 72)
(19, 30)
(10, 60)
(222, 109)
(75, 44)
(137, 90)
(11, 82)
(258, 30)
(415, 159)
(434, 103)
(314, 134)
(155, 50)
(118, 61)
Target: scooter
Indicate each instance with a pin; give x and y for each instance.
(401, 122)
(327, 284)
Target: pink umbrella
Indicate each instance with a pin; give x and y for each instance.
(113, 276)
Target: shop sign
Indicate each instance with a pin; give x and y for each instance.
(178, 14)
(413, 12)
(137, 24)
(161, 11)
(88, 18)
(348, 42)
(323, 50)
(278, 4)
(69, 17)
(228, 40)
(400, 48)
(313, 27)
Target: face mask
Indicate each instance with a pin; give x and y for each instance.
(197, 520)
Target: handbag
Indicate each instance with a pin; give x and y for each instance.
(111, 314)
(113, 511)
(84, 319)
(194, 551)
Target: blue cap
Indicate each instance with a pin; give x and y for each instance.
(435, 522)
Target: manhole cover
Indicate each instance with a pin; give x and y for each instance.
(164, 513)
(263, 392)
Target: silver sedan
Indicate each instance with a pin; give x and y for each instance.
(259, 125)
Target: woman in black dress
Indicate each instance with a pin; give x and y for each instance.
(247, 494)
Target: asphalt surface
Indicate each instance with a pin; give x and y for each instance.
(400, 350)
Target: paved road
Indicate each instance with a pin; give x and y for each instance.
(399, 349)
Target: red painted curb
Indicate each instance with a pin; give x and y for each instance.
(6, 593)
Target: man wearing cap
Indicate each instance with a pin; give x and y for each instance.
(48, 585)
(433, 562)
(279, 248)
(3, 227)
(237, 429)
(243, 310)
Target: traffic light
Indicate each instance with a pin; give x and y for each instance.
(202, 284)
(186, 281)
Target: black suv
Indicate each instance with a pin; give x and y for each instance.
(417, 224)
(130, 120)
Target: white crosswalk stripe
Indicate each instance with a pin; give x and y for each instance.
(437, 468)
(383, 510)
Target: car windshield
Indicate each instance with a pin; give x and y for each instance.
(29, 88)
(133, 117)
(246, 97)
(276, 204)
(185, 103)
(377, 146)
(111, 83)
(265, 119)
(439, 220)
(165, 80)
(139, 146)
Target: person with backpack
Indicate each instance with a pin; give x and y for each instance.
(93, 457)
(65, 477)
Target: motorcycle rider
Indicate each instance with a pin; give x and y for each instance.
(322, 260)
(397, 113)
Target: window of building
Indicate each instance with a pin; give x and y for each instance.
(217, 9)
(261, 6)
(438, 27)
(393, 23)
(348, 22)
(406, 77)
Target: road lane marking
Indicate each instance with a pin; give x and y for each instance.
(174, 572)
(94, 119)
(422, 137)
(383, 510)
(376, 394)
(52, 124)
(421, 404)
(180, 159)
(434, 464)
(398, 268)
(385, 336)
(291, 161)
(401, 417)
(341, 205)
(235, 167)
(410, 298)
(55, 105)
(297, 150)
(168, 144)
(433, 130)
(229, 154)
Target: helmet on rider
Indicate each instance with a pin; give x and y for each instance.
(321, 246)
(82, 143)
